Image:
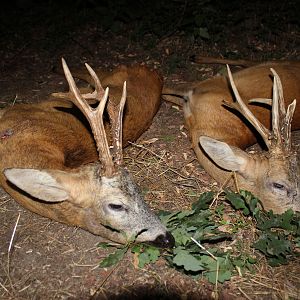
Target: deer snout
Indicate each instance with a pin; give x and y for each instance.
(164, 241)
(292, 193)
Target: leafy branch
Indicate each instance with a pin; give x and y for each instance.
(278, 236)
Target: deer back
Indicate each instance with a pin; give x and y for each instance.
(205, 110)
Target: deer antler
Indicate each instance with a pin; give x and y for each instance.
(281, 118)
(280, 136)
(240, 106)
(116, 116)
(95, 118)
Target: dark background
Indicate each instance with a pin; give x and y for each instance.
(50, 25)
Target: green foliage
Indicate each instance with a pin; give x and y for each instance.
(244, 200)
(220, 269)
(274, 246)
(185, 259)
(113, 258)
(278, 235)
(146, 254)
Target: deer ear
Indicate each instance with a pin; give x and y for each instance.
(37, 183)
(227, 157)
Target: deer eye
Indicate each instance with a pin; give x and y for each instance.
(116, 207)
(278, 186)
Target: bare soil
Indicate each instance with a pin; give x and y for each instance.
(50, 260)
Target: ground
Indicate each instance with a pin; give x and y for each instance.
(49, 260)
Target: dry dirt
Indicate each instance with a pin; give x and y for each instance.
(49, 260)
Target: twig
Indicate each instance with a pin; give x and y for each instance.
(203, 248)
(236, 183)
(214, 60)
(5, 289)
(104, 281)
(266, 285)
(220, 191)
(215, 258)
(13, 234)
(9, 249)
(14, 102)
(244, 294)
(142, 147)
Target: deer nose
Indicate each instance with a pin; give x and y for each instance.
(164, 241)
(292, 193)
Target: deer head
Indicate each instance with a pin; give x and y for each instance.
(273, 176)
(100, 197)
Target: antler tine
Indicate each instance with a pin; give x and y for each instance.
(99, 91)
(281, 119)
(287, 125)
(94, 117)
(116, 117)
(261, 100)
(240, 106)
(119, 127)
(276, 114)
(279, 90)
(97, 94)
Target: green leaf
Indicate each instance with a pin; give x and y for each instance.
(113, 258)
(137, 248)
(185, 213)
(270, 220)
(220, 209)
(167, 217)
(143, 259)
(184, 259)
(244, 261)
(274, 246)
(286, 220)
(237, 202)
(149, 256)
(146, 254)
(221, 270)
(153, 253)
(204, 201)
(251, 200)
(181, 236)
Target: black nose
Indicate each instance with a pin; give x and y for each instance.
(164, 241)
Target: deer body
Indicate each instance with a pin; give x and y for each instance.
(49, 162)
(206, 115)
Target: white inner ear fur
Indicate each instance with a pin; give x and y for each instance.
(38, 183)
(227, 157)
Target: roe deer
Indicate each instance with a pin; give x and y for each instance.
(272, 176)
(49, 160)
